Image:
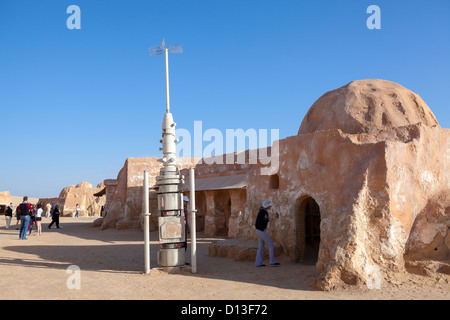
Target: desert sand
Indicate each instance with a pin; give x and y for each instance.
(111, 266)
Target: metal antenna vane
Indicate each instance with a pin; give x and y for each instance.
(156, 51)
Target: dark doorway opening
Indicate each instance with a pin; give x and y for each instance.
(222, 208)
(308, 230)
(200, 205)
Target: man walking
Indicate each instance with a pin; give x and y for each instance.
(261, 225)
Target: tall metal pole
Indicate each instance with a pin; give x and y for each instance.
(166, 55)
(193, 226)
(147, 224)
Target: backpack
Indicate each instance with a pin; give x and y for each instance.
(24, 210)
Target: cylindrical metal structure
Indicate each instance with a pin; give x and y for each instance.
(147, 224)
(193, 225)
(171, 221)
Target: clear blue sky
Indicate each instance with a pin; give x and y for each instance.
(76, 103)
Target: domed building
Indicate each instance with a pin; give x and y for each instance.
(349, 187)
(368, 159)
(82, 194)
(366, 105)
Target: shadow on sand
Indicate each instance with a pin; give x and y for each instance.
(122, 251)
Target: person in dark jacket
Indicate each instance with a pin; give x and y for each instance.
(55, 217)
(186, 225)
(8, 216)
(261, 225)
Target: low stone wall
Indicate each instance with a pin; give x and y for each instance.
(240, 250)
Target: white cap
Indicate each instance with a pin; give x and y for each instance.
(267, 203)
(185, 198)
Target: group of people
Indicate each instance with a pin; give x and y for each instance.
(28, 215)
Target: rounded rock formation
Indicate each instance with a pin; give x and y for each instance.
(84, 184)
(366, 105)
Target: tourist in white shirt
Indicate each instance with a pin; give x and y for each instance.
(39, 219)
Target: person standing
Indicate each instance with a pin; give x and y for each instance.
(55, 217)
(8, 216)
(17, 217)
(32, 218)
(263, 238)
(48, 207)
(186, 226)
(39, 212)
(77, 208)
(24, 212)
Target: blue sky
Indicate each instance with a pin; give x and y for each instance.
(76, 103)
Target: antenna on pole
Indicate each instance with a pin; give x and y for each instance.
(156, 51)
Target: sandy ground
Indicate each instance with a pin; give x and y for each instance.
(111, 266)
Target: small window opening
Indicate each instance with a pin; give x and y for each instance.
(274, 181)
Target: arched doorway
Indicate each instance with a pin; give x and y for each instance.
(308, 230)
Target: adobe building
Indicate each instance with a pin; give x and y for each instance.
(124, 195)
(82, 194)
(6, 198)
(362, 189)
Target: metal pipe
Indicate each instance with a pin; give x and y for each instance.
(193, 226)
(166, 55)
(147, 224)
